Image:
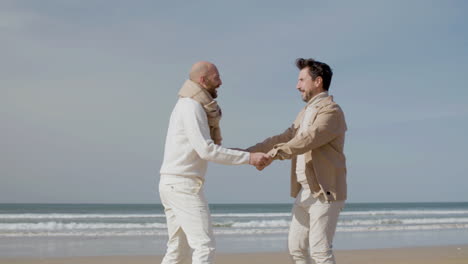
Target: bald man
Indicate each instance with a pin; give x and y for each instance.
(193, 139)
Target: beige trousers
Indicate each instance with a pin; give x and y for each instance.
(312, 229)
(188, 221)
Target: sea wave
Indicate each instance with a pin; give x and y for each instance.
(78, 216)
(70, 216)
(377, 224)
(58, 226)
(129, 216)
(405, 212)
(402, 221)
(231, 231)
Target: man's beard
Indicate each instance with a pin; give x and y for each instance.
(213, 93)
(212, 89)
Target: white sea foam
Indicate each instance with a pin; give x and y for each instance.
(123, 216)
(402, 221)
(247, 226)
(271, 223)
(406, 212)
(229, 231)
(78, 216)
(402, 227)
(31, 216)
(262, 215)
(161, 232)
(57, 226)
(344, 223)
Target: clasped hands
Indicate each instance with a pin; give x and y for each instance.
(260, 160)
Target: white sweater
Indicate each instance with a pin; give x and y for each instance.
(189, 146)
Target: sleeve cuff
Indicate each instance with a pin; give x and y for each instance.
(276, 154)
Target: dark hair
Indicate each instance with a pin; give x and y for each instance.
(316, 68)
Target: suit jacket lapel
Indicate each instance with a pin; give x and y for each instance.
(326, 101)
(300, 116)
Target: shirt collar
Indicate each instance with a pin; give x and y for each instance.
(317, 98)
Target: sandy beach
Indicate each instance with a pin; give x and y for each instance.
(426, 255)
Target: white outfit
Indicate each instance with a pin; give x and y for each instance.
(187, 150)
(314, 220)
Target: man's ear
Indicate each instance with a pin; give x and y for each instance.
(318, 81)
(201, 81)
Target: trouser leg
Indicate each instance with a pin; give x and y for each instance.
(191, 212)
(323, 221)
(178, 250)
(196, 223)
(298, 237)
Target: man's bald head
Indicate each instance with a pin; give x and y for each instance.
(200, 69)
(206, 75)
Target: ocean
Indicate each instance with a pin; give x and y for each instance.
(51, 230)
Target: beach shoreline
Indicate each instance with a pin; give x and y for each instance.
(457, 254)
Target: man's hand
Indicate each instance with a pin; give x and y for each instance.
(260, 160)
(265, 165)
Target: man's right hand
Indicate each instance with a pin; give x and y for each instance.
(259, 159)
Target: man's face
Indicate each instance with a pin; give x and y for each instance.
(308, 87)
(212, 82)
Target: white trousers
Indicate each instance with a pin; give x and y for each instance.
(188, 221)
(312, 229)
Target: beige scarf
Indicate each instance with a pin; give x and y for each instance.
(192, 90)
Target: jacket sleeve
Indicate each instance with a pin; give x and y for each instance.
(328, 124)
(197, 130)
(268, 143)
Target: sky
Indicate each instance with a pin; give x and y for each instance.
(87, 88)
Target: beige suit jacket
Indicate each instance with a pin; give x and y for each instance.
(322, 144)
